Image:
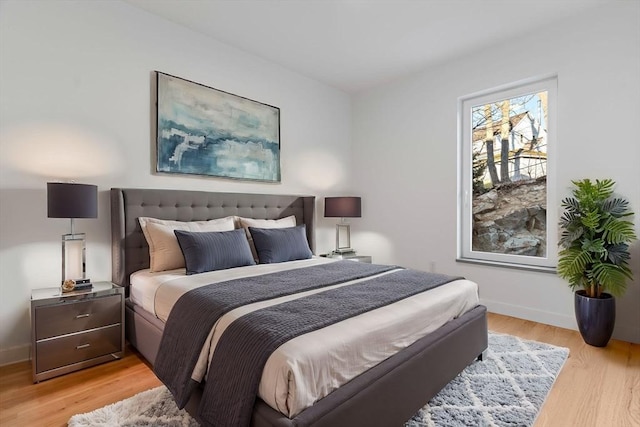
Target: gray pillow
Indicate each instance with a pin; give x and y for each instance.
(280, 244)
(215, 250)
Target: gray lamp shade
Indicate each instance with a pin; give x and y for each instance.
(65, 200)
(342, 207)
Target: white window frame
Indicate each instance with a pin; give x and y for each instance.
(465, 180)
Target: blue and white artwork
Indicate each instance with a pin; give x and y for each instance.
(205, 131)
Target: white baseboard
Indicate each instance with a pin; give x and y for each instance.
(627, 333)
(527, 313)
(621, 332)
(16, 354)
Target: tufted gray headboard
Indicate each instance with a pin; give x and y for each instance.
(129, 248)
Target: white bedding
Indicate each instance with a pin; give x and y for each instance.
(310, 366)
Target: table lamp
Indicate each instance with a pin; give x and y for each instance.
(343, 207)
(67, 200)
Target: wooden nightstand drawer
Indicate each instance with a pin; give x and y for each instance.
(66, 350)
(77, 316)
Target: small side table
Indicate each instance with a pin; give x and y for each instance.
(350, 257)
(75, 330)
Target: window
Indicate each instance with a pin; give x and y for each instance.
(507, 204)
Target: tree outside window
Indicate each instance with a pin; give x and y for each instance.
(506, 145)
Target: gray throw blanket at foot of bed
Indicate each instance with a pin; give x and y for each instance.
(195, 313)
(243, 349)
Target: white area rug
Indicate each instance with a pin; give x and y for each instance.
(506, 389)
(153, 407)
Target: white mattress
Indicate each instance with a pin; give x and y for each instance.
(309, 367)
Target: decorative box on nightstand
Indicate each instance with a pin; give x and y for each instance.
(349, 256)
(75, 330)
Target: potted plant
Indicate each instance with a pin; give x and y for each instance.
(594, 256)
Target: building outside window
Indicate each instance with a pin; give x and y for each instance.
(507, 205)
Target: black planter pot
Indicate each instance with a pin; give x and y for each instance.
(596, 317)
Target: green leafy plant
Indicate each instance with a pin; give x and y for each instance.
(595, 239)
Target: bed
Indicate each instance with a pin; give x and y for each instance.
(385, 395)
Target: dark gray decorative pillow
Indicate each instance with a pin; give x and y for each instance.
(216, 250)
(280, 244)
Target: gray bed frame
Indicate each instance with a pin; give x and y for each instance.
(386, 395)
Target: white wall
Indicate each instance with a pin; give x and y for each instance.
(405, 153)
(75, 81)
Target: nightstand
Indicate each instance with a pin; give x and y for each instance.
(75, 330)
(350, 257)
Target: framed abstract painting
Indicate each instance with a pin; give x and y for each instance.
(206, 131)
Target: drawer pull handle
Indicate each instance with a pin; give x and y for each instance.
(80, 316)
(80, 347)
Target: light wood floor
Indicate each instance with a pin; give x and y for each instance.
(596, 387)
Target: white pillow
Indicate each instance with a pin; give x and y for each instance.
(289, 221)
(164, 250)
